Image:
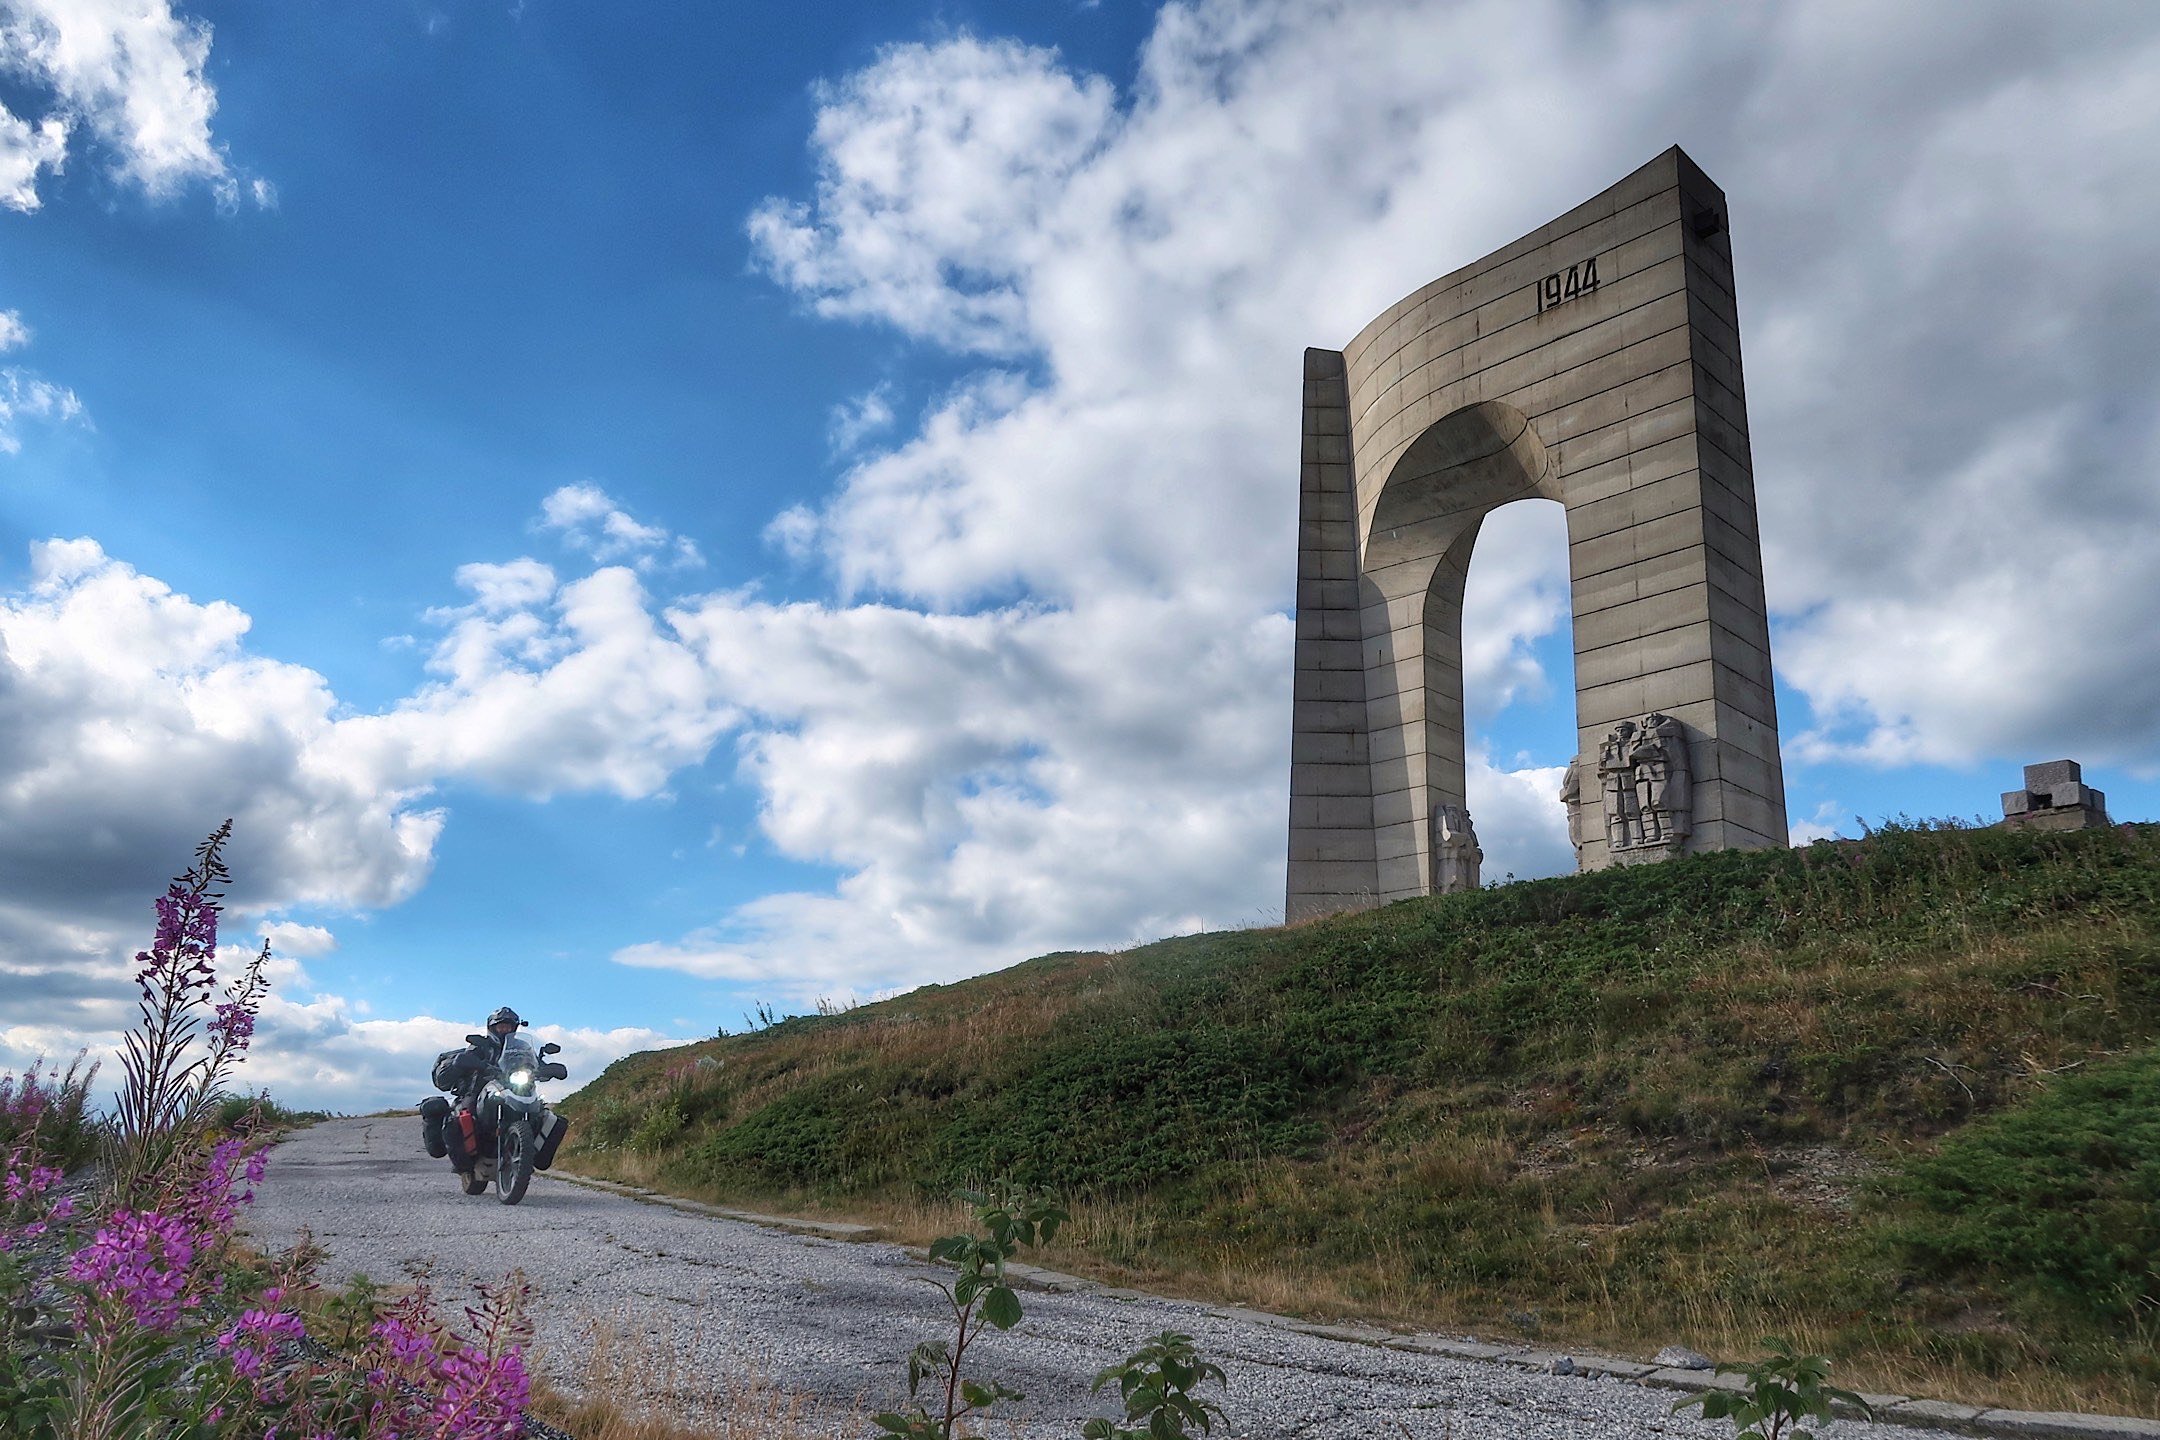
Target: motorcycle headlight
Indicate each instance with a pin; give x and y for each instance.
(521, 1079)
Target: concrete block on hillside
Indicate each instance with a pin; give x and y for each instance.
(2050, 773)
(2055, 797)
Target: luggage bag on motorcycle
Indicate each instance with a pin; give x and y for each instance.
(434, 1111)
(551, 1136)
(445, 1075)
(462, 1138)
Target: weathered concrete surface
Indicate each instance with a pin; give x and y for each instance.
(834, 1319)
(1594, 362)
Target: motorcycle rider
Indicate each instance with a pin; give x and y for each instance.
(466, 1073)
(472, 1067)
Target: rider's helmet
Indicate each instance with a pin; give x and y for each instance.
(504, 1021)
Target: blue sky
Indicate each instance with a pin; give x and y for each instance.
(731, 508)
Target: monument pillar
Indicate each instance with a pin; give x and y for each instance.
(1594, 362)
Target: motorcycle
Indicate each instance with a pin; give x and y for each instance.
(511, 1108)
(508, 1132)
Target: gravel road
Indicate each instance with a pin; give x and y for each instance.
(709, 1300)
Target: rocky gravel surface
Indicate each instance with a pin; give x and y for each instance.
(704, 1304)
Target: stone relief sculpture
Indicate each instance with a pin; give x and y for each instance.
(1664, 801)
(1616, 782)
(1571, 795)
(1645, 789)
(1456, 856)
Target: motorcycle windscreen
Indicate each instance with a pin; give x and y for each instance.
(519, 1058)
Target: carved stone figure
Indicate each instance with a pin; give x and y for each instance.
(1571, 795)
(1616, 782)
(1647, 784)
(1456, 856)
(1672, 791)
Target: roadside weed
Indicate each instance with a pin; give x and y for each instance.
(1008, 1217)
(1156, 1383)
(1784, 1388)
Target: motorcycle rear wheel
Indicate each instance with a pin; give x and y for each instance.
(514, 1165)
(470, 1183)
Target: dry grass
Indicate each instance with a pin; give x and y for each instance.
(1379, 1290)
(635, 1390)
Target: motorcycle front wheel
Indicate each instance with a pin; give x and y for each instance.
(514, 1167)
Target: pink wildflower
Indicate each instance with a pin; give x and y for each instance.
(234, 1024)
(407, 1345)
(141, 1259)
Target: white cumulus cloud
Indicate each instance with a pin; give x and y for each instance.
(589, 520)
(124, 76)
(291, 938)
(26, 395)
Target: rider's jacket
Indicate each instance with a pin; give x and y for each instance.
(471, 1068)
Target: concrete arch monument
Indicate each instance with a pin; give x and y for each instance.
(1594, 362)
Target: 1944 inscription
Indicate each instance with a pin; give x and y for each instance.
(1563, 285)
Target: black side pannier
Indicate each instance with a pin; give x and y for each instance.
(552, 1130)
(433, 1112)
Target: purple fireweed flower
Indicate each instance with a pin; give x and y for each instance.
(406, 1345)
(23, 1102)
(212, 1204)
(233, 1025)
(272, 1324)
(483, 1398)
(141, 1259)
(27, 1184)
(22, 1182)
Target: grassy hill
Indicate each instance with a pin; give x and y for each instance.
(1898, 1099)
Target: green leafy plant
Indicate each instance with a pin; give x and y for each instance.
(352, 1312)
(1156, 1383)
(33, 1391)
(1008, 1218)
(1783, 1389)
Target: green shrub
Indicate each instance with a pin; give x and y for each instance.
(1123, 1112)
(236, 1114)
(2061, 1192)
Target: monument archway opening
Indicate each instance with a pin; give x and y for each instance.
(1596, 363)
(1518, 689)
(1419, 538)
